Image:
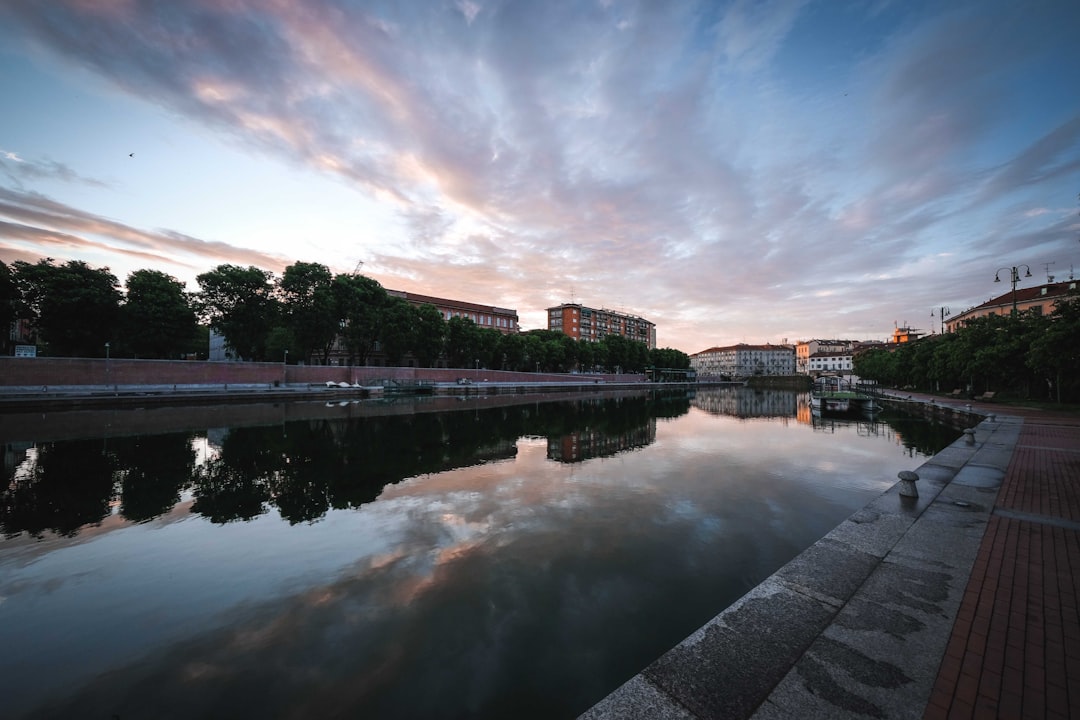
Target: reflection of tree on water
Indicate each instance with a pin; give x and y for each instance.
(155, 469)
(303, 469)
(917, 435)
(62, 486)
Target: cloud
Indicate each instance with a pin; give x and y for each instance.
(33, 218)
(675, 160)
(21, 171)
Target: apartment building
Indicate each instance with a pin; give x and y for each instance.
(1042, 299)
(489, 317)
(586, 323)
(805, 349)
(743, 361)
(834, 363)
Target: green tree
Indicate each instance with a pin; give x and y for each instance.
(1055, 353)
(359, 301)
(462, 342)
(430, 334)
(239, 304)
(510, 352)
(399, 331)
(74, 307)
(9, 304)
(306, 292)
(877, 364)
(625, 355)
(157, 316)
(669, 358)
(280, 342)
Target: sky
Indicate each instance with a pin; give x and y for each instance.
(753, 171)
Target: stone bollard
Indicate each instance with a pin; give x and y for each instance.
(969, 436)
(907, 484)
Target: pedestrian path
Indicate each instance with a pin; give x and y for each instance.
(1014, 651)
(961, 603)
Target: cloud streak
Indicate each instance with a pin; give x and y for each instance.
(701, 165)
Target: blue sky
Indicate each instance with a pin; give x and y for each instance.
(732, 171)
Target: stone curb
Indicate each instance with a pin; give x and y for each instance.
(857, 624)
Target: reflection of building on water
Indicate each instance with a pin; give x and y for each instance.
(501, 450)
(586, 444)
(15, 455)
(746, 402)
(864, 427)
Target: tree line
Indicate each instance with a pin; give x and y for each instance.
(1026, 355)
(304, 315)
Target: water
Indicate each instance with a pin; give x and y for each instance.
(507, 557)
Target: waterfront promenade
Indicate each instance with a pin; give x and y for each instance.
(961, 603)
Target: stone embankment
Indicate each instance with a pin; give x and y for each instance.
(911, 607)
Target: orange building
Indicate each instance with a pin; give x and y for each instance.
(592, 325)
(1042, 299)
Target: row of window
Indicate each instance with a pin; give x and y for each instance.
(487, 320)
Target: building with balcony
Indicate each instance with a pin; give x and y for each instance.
(592, 325)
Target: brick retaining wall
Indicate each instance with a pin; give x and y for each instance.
(29, 372)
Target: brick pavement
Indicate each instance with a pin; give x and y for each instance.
(1014, 651)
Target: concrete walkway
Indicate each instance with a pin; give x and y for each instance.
(961, 603)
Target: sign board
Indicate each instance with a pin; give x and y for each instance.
(26, 351)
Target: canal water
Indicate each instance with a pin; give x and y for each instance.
(427, 558)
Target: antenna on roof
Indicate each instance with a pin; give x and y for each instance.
(1049, 277)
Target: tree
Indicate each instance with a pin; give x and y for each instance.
(9, 304)
(1055, 354)
(359, 301)
(462, 342)
(398, 330)
(877, 364)
(430, 334)
(306, 291)
(239, 304)
(625, 354)
(669, 358)
(157, 317)
(510, 352)
(74, 307)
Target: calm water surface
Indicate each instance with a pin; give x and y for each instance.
(501, 558)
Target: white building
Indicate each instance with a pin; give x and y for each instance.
(836, 363)
(743, 361)
(806, 348)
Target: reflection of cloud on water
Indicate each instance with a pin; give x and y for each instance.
(445, 592)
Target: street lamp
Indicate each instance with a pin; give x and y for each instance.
(1015, 271)
(944, 311)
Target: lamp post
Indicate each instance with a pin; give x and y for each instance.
(106, 363)
(1015, 274)
(285, 368)
(944, 311)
